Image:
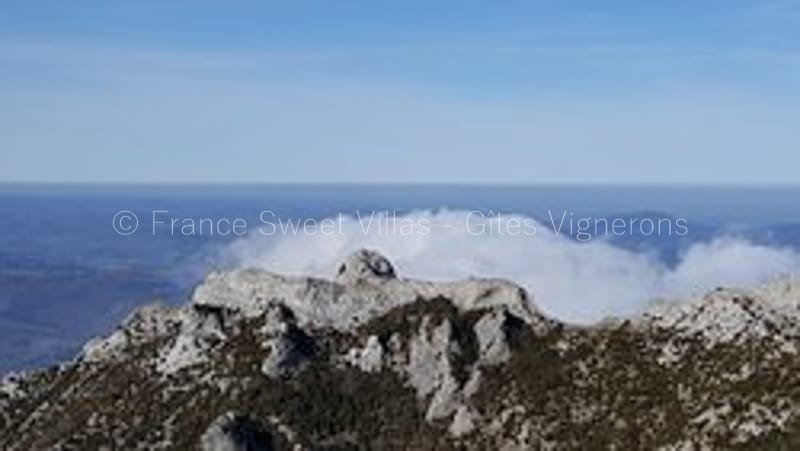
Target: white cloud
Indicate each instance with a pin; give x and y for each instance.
(581, 282)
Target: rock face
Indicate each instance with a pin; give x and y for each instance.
(260, 361)
(232, 433)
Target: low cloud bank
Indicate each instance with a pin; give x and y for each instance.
(577, 282)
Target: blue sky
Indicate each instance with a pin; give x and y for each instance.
(488, 92)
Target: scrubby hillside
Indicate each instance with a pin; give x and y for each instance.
(372, 361)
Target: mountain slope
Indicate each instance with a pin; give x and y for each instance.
(372, 361)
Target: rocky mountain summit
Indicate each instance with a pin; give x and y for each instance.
(261, 361)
